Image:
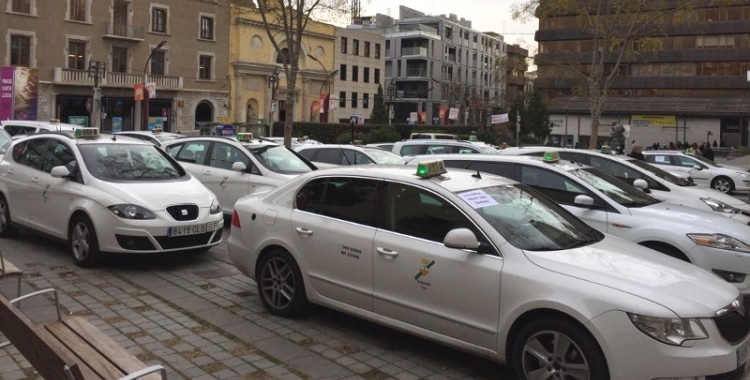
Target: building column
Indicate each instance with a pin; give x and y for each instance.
(239, 106)
(138, 118)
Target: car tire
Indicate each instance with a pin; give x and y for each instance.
(280, 284)
(534, 350)
(723, 184)
(83, 242)
(6, 228)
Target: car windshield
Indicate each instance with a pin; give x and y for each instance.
(279, 159)
(660, 173)
(528, 220)
(614, 188)
(164, 137)
(488, 149)
(383, 157)
(703, 160)
(125, 162)
(5, 141)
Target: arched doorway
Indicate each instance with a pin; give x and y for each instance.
(204, 113)
(252, 111)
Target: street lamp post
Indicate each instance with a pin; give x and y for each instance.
(391, 91)
(146, 95)
(326, 101)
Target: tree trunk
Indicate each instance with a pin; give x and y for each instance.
(596, 104)
(291, 89)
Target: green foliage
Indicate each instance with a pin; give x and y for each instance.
(379, 110)
(384, 134)
(488, 136)
(536, 118)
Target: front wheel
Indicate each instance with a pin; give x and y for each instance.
(723, 184)
(84, 246)
(552, 348)
(280, 284)
(6, 229)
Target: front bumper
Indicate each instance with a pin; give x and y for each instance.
(710, 259)
(633, 355)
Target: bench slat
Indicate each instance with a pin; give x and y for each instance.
(83, 351)
(10, 270)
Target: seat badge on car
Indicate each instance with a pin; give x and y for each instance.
(184, 212)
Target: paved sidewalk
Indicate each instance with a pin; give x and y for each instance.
(202, 319)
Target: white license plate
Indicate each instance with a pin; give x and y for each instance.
(742, 353)
(192, 230)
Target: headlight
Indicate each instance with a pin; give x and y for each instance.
(743, 175)
(672, 331)
(215, 207)
(131, 212)
(720, 206)
(719, 241)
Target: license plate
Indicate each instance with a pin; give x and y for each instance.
(742, 353)
(192, 230)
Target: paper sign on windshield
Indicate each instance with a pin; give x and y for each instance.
(477, 199)
(660, 159)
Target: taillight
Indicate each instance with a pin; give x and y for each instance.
(236, 219)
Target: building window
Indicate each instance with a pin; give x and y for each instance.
(119, 59)
(344, 41)
(366, 74)
(77, 55)
(204, 67)
(158, 62)
(377, 76)
(377, 51)
(342, 72)
(21, 6)
(342, 99)
(159, 20)
(354, 100)
(207, 28)
(355, 73)
(78, 10)
(365, 100)
(20, 50)
(356, 47)
(283, 57)
(367, 48)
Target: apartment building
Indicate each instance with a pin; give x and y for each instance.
(440, 62)
(691, 86)
(515, 72)
(60, 40)
(360, 65)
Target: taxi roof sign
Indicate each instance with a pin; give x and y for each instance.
(157, 131)
(429, 169)
(552, 156)
(87, 133)
(244, 136)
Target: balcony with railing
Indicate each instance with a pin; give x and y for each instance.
(418, 72)
(411, 30)
(111, 79)
(414, 50)
(123, 32)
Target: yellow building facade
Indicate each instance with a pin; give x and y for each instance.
(252, 60)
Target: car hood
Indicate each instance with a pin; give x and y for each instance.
(156, 195)
(704, 192)
(694, 220)
(733, 168)
(687, 290)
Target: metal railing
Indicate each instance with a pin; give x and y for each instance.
(113, 79)
(416, 50)
(126, 31)
(416, 72)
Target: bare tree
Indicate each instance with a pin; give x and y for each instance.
(290, 19)
(617, 30)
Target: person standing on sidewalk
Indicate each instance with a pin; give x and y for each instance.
(636, 152)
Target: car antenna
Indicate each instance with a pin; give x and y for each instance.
(477, 175)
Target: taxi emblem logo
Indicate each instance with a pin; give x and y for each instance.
(424, 270)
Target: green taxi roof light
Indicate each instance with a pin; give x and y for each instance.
(244, 136)
(86, 132)
(551, 157)
(429, 169)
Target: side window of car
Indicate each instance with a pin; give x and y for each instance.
(14, 130)
(308, 153)
(533, 154)
(410, 150)
(29, 153)
(465, 150)
(223, 156)
(310, 197)
(172, 150)
(553, 185)
(574, 157)
(616, 169)
(194, 152)
(416, 212)
(658, 159)
(349, 199)
(329, 156)
(687, 162)
(352, 157)
(58, 154)
(456, 164)
(496, 168)
(439, 149)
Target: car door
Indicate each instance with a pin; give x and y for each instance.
(420, 281)
(353, 157)
(563, 191)
(333, 156)
(52, 197)
(18, 174)
(628, 175)
(228, 185)
(333, 227)
(192, 156)
(688, 165)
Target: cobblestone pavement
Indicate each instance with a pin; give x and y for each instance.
(202, 319)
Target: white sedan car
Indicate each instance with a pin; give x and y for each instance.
(486, 265)
(704, 238)
(104, 193)
(724, 178)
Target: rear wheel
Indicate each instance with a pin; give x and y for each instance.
(723, 184)
(84, 245)
(6, 229)
(280, 284)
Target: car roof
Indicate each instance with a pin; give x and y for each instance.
(39, 124)
(561, 164)
(436, 142)
(455, 180)
(340, 146)
(199, 138)
(103, 138)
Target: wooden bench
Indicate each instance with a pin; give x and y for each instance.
(69, 348)
(8, 270)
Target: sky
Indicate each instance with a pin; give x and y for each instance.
(485, 16)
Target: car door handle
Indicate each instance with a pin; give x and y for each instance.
(34, 179)
(304, 231)
(207, 172)
(10, 171)
(386, 252)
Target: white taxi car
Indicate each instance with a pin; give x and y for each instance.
(658, 183)
(486, 265)
(234, 167)
(335, 154)
(103, 193)
(704, 238)
(156, 136)
(724, 178)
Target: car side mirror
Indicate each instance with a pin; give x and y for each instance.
(60, 172)
(239, 167)
(461, 238)
(697, 167)
(641, 184)
(584, 201)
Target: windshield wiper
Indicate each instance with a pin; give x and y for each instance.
(580, 243)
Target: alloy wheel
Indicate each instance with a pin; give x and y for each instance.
(3, 216)
(80, 241)
(723, 185)
(553, 355)
(277, 283)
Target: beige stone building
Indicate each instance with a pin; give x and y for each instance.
(63, 38)
(360, 61)
(253, 59)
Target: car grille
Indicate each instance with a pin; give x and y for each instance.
(734, 326)
(183, 213)
(134, 243)
(188, 241)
